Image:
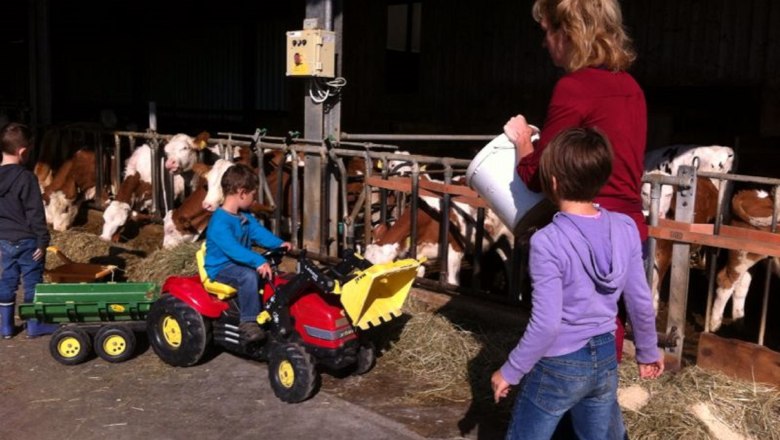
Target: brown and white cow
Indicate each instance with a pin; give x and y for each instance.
(188, 221)
(138, 172)
(57, 146)
(72, 184)
(214, 196)
(752, 209)
(667, 161)
(391, 243)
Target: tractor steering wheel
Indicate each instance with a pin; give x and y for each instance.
(274, 256)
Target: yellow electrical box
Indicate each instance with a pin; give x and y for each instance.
(311, 52)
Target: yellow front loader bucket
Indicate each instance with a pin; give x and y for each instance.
(377, 294)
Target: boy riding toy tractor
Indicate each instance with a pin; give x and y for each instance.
(313, 317)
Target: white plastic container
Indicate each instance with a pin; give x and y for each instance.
(493, 176)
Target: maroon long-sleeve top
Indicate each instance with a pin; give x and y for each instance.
(614, 103)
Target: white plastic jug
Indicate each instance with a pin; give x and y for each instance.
(493, 176)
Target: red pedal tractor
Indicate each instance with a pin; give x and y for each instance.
(312, 316)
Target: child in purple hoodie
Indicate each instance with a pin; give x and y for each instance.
(580, 264)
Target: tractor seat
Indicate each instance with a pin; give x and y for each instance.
(220, 290)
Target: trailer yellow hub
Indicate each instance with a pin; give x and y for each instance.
(69, 347)
(171, 331)
(286, 374)
(114, 345)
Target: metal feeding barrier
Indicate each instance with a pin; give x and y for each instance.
(749, 361)
(391, 182)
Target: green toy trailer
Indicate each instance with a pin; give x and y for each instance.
(107, 314)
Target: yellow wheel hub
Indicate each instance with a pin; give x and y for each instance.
(286, 374)
(171, 331)
(114, 345)
(69, 347)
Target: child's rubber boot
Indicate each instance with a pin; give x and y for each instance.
(35, 328)
(7, 321)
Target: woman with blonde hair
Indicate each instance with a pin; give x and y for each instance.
(587, 39)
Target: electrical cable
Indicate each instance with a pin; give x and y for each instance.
(320, 90)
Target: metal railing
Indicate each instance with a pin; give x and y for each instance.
(354, 219)
(685, 187)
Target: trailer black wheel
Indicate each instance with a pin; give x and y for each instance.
(366, 358)
(115, 343)
(177, 332)
(292, 372)
(70, 345)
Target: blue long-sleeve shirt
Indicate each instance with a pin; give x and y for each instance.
(579, 267)
(229, 239)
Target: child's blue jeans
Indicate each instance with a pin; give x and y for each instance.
(16, 260)
(584, 382)
(247, 282)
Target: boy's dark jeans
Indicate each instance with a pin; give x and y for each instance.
(247, 282)
(16, 262)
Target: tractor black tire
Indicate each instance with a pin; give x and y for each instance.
(292, 372)
(178, 334)
(115, 343)
(366, 358)
(70, 345)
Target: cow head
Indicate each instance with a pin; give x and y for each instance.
(400, 167)
(173, 236)
(114, 217)
(382, 253)
(60, 211)
(214, 196)
(667, 191)
(181, 153)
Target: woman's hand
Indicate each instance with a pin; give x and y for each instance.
(519, 133)
(500, 386)
(287, 245)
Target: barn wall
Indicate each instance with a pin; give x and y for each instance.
(709, 68)
(206, 63)
(14, 88)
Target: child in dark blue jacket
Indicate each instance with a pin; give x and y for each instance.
(230, 235)
(23, 232)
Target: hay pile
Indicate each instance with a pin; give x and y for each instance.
(78, 246)
(165, 262)
(750, 409)
(426, 349)
(454, 355)
(456, 362)
(133, 264)
(84, 247)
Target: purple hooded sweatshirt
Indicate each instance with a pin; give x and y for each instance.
(580, 265)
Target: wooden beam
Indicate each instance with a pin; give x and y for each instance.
(462, 194)
(730, 237)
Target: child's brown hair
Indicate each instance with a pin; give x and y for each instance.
(14, 136)
(580, 159)
(239, 177)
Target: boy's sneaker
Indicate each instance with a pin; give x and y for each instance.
(251, 332)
